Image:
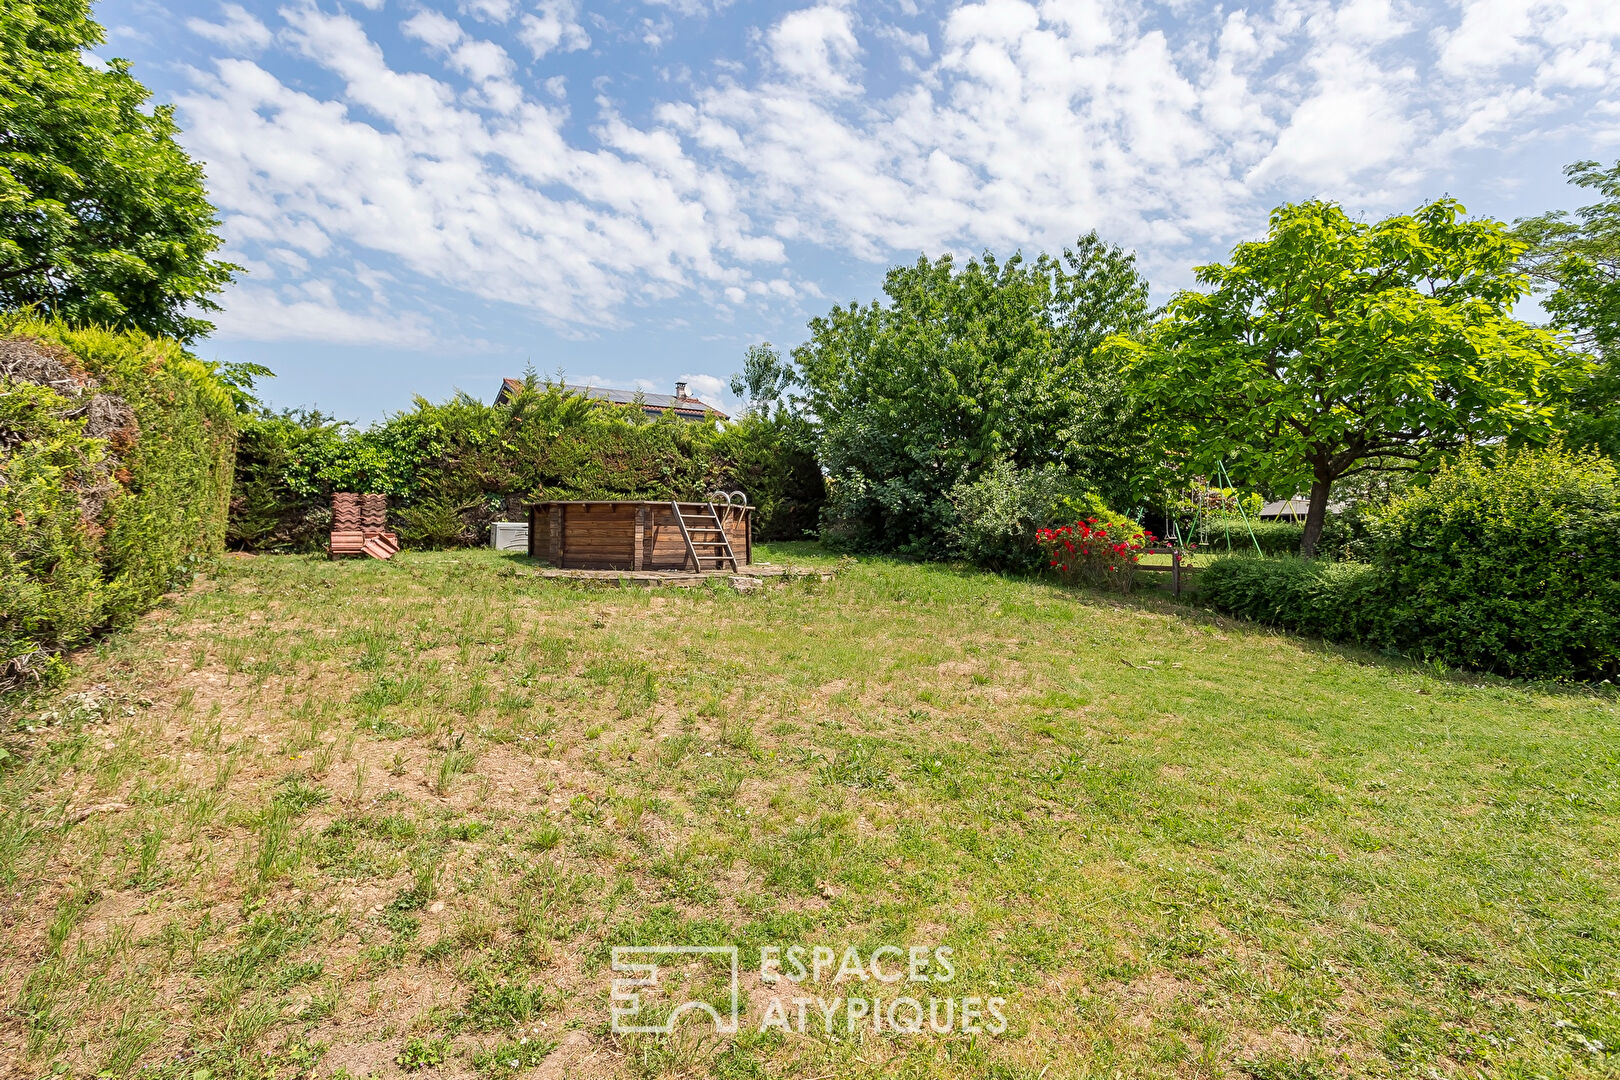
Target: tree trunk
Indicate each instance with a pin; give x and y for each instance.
(1316, 516)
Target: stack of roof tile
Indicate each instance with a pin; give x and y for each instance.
(359, 526)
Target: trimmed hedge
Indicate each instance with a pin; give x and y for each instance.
(1273, 537)
(116, 451)
(1336, 601)
(1512, 568)
(452, 468)
(1341, 538)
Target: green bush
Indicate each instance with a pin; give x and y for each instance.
(1275, 537)
(267, 512)
(116, 451)
(997, 514)
(452, 468)
(1337, 601)
(1508, 568)
(773, 460)
(1513, 568)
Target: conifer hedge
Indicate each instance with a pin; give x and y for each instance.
(451, 468)
(116, 454)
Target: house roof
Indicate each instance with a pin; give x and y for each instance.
(687, 408)
(1296, 507)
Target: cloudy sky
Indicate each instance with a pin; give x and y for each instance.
(430, 194)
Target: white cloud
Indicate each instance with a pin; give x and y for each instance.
(260, 314)
(498, 206)
(434, 30)
(238, 31)
(555, 26)
(817, 48)
(1001, 123)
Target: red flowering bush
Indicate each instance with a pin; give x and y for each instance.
(1101, 552)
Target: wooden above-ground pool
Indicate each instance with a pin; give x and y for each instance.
(625, 535)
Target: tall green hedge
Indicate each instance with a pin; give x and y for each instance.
(451, 468)
(116, 453)
(1512, 567)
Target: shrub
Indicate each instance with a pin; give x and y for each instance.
(1273, 537)
(1509, 568)
(267, 512)
(1101, 551)
(772, 458)
(1336, 601)
(998, 515)
(964, 363)
(117, 454)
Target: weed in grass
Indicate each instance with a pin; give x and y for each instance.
(506, 1060)
(544, 837)
(323, 1004)
(423, 1052)
(452, 764)
(724, 782)
(69, 911)
(629, 810)
(146, 867)
(583, 809)
(386, 691)
(425, 863)
(673, 749)
(321, 760)
(397, 766)
(857, 767)
(277, 849)
(136, 1030)
(295, 794)
(494, 1005)
(737, 733)
(203, 807)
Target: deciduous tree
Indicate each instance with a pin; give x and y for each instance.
(1575, 259)
(965, 365)
(103, 217)
(1335, 346)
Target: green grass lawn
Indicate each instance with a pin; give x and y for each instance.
(349, 818)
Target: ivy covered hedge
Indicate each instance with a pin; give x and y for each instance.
(116, 453)
(452, 468)
(1509, 568)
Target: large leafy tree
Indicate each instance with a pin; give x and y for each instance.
(1334, 346)
(765, 380)
(965, 366)
(1574, 258)
(103, 217)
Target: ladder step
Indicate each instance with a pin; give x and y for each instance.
(716, 553)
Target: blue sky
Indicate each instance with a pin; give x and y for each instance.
(431, 194)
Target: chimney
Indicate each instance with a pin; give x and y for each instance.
(680, 390)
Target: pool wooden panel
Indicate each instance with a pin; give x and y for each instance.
(625, 535)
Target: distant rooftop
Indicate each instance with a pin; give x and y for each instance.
(1293, 509)
(685, 406)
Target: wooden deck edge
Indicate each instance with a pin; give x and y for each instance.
(748, 577)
